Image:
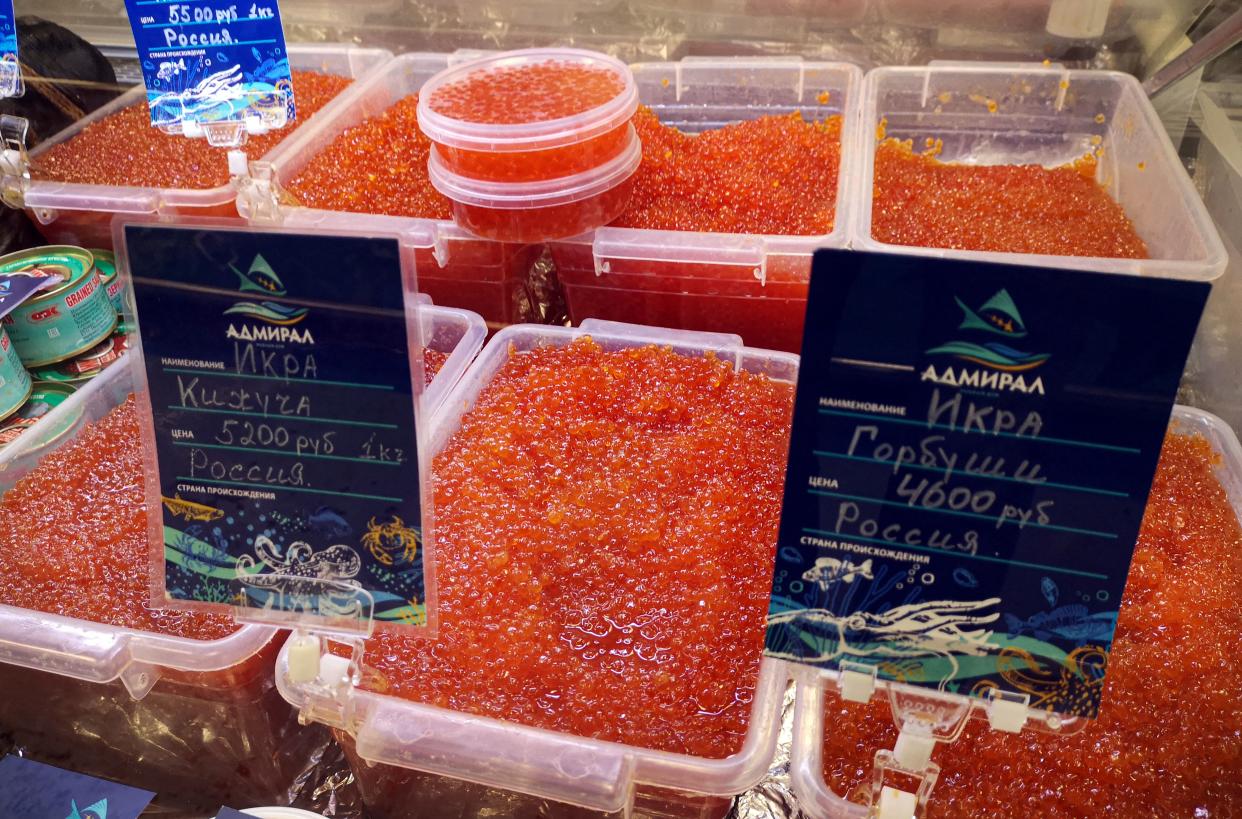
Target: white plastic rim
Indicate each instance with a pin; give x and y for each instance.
(542, 193)
(277, 812)
(527, 136)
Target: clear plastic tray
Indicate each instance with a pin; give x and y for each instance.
(545, 765)
(753, 285)
(816, 799)
(1048, 116)
(454, 267)
(77, 214)
(460, 333)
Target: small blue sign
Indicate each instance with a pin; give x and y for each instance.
(282, 390)
(971, 454)
(10, 67)
(213, 61)
(32, 790)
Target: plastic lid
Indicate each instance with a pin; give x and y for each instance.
(278, 812)
(525, 136)
(542, 193)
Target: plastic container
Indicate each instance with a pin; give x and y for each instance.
(535, 150)
(541, 210)
(1047, 116)
(457, 333)
(454, 267)
(77, 214)
(752, 285)
(816, 799)
(196, 721)
(517, 771)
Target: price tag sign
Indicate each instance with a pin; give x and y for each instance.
(10, 68)
(213, 68)
(32, 790)
(971, 454)
(282, 374)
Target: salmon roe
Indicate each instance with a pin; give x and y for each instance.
(605, 532)
(1168, 740)
(537, 92)
(770, 175)
(376, 166)
(73, 536)
(919, 200)
(433, 360)
(125, 149)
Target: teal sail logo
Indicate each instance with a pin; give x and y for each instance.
(99, 810)
(260, 278)
(997, 317)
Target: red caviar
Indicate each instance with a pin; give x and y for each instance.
(919, 200)
(605, 530)
(540, 223)
(433, 360)
(529, 93)
(125, 149)
(376, 166)
(73, 536)
(536, 92)
(770, 175)
(1168, 741)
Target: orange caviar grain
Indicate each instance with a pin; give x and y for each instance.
(433, 360)
(528, 93)
(1168, 741)
(921, 201)
(605, 528)
(377, 166)
(73, 536)
(771, 175)
(125, 149)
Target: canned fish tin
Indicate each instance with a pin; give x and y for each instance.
(105, 263)
(43, 399)
(77, 371)
(65, 320)
(14, 380)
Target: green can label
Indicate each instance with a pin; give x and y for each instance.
(43, 399)
(65, 321)
(105, 263)
(14, 380)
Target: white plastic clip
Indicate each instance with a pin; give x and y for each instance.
(303, 656)
(857, 681)
(258, 194)
(1007, 711)
(895, 804)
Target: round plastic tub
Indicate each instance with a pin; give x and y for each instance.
(406, 754)
(523, 146)
(541, 210)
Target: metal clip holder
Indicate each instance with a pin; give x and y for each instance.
(14, 161)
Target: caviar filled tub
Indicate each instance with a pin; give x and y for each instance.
(94, 680)
(364, 167)
(1033, 165)
(606, 505)
(744, 174)
(1168, 740)
(114, 161)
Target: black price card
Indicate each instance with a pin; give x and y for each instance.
(281, 375)
(971, 454)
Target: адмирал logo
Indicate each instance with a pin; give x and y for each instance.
(260, 278)
(998, 317)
